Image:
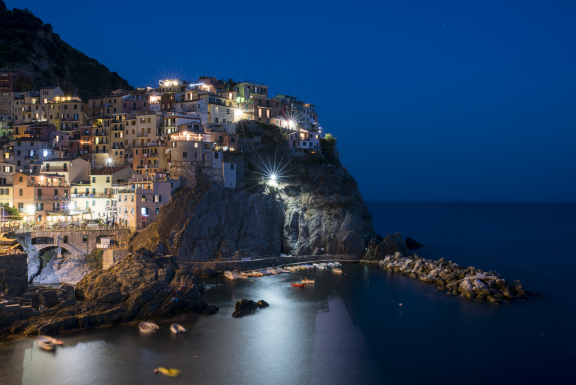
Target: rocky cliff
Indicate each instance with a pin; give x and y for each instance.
(143, 286)
(312, 210)
(29, 44)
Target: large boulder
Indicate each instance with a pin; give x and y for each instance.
(247, 306)
(390, 245)
(412, 244)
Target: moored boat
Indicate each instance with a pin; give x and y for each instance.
(265, 272)
(47, 346)
(230, 275)
(177, 328)
(330, 264)
(306, 280)
(49, 340)
(256, 274)
(337, 264)
(336, 270)
(242, 275)
(148, 327)
(284, 270)
(170, 372)
(298, 284)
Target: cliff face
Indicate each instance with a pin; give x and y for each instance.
(28, 43)
(321, 210)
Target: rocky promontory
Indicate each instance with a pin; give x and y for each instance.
(469, 282)
(313, 208)
(143, 286)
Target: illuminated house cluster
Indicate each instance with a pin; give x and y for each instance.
(118, 157)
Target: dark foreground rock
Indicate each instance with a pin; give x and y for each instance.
(391, 244)
(412, 244)
(468, 282)
(143, 286)
(247, 306)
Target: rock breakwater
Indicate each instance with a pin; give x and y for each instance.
(467, 282)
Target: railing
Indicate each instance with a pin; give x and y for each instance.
(49, 197)
(70, 228)
(96, 195)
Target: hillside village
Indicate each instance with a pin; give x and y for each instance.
(116, 159)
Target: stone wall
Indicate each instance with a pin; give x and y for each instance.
(111, 256)
(13, 274)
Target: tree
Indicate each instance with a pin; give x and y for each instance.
(10, 213)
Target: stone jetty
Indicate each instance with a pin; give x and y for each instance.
(467, 282)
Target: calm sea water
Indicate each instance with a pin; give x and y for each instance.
(350, 328)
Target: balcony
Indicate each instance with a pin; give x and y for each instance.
(49, 197)
(95, 195)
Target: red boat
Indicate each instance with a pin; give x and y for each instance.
(298, 284)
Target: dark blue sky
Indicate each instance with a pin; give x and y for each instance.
(452, 100)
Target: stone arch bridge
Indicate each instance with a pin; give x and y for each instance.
(76, 242)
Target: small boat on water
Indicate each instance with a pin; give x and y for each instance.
(230, 275)
(306, 280)
(298, 284)
(336, 270)
(243, 275)
(323, 264)
(284, 270)
(177, 328)
(47, 346)
(167, 371)
(273, 271)
(148, 327)
(330, 264)
(49, 340)
(265, 272)
(337, 264)
(256, 274)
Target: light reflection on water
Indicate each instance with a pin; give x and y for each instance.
(344, 329)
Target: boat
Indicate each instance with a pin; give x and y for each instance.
(336, 270)
(337, 264)
(284, 270)
(148, 327)
(273, 271)
(47, 346)
(49, 340)
(230, 275)
(265, 272)
(168, 371)
(243, 275)
(306, 280)
(330, 264)
(323, 264)
(177, 328)
(45, 343)
(320, 267)
(256, 274)
(298, 284)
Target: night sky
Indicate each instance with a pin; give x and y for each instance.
(429, 100)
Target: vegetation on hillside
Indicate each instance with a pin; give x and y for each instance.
(28, 43)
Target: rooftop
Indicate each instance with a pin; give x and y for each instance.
(107, 170)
